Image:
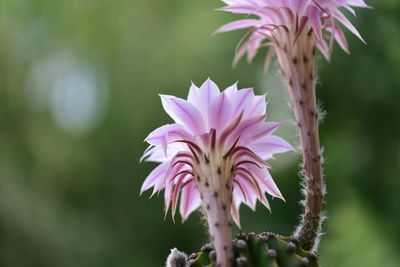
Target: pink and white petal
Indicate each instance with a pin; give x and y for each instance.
(154, 177)
(323, 47)
(240, 52)
(190, 200)
(266, 128)
(166, 134)
(146, 153)
(184, 113)
(253, 47)
(269, 145)
(249, 191)
(240, 9)
(339, 37)
(239, 24)
(235, 207)
(240, 99)
(253, 129)
(231, 90)
(185, 177)
(299, 5)
(173, 182)
(358, 3)
(220, 112)
(193, 93)
(156, 136)
(207, 92)
(203, 96)
(245, 130)
(170, 175)
(157, 153)
(257, 108)
(342, 19)
(315, 21)
(266, 181)
(265, 202)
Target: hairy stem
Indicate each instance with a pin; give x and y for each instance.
(215, 184)
(299, 75)
(218, 219)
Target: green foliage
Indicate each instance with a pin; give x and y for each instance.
(262, 250)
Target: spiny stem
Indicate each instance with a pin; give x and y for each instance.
(299, 76)
(216, 207)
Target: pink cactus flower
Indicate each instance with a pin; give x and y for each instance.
(282, 22)
(293, 30)
(213, 157)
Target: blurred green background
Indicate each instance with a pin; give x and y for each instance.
(78, 94)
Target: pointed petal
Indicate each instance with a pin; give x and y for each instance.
(193, 93)
(342, 19)
(231, 90)
(266, 181)
(190, 200)
(248, 189)
(220, 112)
(155, 176)
(235, 208)
(239, 24)
(269, 145)
(240, 99)
(266, 128)
(339, 37)
(315, 20)
(184, 113)
(257, 108)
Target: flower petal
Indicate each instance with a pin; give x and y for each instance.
(220, 112)
(184, 113)
(154, 176)
(202, 97)
(257, 108)
(340, 17)
(240, 99)
(235, 207)
(239, 24)
(190, 200)
(266, 182)
(266, 128)
(267, 146)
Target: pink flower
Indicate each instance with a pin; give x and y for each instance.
(282, 22)
(213, 156)
(293, 30)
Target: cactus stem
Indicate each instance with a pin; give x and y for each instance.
(216, 194)
(300, 79)
(218, 220)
